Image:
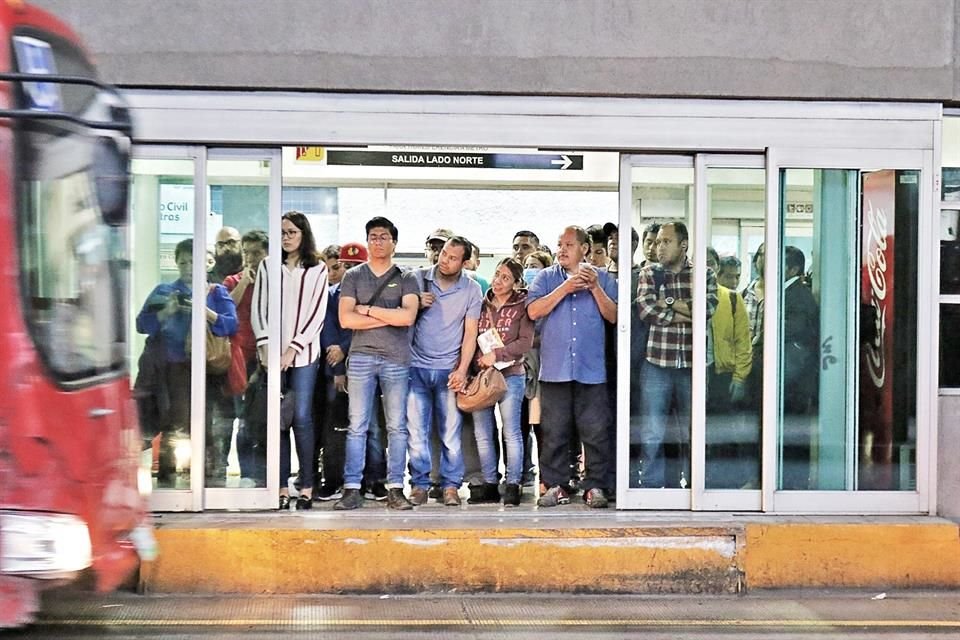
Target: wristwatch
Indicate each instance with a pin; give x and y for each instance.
(669, 300)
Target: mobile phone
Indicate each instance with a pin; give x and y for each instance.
(183, 298)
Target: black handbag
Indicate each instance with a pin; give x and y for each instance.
(255, 402)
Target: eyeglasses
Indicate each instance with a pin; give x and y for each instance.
(380, 239)
(289, 233)
(227, 243)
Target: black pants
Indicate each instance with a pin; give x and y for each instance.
(570, 408)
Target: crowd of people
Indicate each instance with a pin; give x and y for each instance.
(373, 356)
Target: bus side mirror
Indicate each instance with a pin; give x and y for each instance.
(111, 175)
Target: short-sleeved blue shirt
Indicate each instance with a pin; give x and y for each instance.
(573, 334)
(438, 333)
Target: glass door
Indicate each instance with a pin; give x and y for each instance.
(164, 200)
(205, 435)
(689, 437)
(731, 207)
(654, 434)
(842, 321)
(240, 451)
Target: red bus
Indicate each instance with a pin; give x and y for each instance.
(70, 500)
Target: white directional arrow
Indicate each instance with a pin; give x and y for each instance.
(566, 162)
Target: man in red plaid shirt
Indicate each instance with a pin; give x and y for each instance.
(666, 375)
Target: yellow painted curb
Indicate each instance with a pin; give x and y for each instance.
(331, 561)
(852, 555)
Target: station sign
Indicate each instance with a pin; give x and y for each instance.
(456, 160)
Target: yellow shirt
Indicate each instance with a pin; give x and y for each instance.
(732, 351)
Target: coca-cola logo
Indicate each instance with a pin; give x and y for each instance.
(876, 266)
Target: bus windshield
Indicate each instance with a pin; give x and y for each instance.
(72, 262)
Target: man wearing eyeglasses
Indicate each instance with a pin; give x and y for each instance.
(378, 302)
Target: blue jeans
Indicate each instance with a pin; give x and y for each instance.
(376, 468)
(485, 431)
(429, 397)
(364, 373)
(660, 387)
(301, 381)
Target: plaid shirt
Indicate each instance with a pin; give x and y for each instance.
(671, 345)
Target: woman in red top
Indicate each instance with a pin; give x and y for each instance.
(504, 310)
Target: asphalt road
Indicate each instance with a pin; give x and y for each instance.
(808, 614)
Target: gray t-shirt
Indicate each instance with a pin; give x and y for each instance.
(392, 343)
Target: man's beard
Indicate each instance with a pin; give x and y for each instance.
(228, 263)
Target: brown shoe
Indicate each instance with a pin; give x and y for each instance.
(397, 501)
(450, 497)
(418, 496)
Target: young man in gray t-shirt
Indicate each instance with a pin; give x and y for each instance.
(379, 303)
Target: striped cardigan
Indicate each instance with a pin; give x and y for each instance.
(303, 307)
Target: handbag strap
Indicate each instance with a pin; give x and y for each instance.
(383, 285)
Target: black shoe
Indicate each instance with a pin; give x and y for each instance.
(436, 492)
(511, 496)
(475, 494)
(326, 492)
(284, 503)
(304, 502)
(483, 494)
(376, 492)
(396, 500)
(351, 500)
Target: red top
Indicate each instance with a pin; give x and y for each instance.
(244, 335)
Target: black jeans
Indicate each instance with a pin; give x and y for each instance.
(570, 408)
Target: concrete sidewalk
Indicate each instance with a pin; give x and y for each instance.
(568, 549)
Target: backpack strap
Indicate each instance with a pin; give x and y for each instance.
(383, 285)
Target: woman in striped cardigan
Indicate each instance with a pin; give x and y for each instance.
(303, 306)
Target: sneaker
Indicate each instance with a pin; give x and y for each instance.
(376, 492)
(327, 492)
(396, 500)
(511, 495)
(555, 495)
(595, 499)
(418, 496)
(351, 500)
(451, 498)
(435, 492)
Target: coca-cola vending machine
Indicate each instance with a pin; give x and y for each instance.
(888, 334)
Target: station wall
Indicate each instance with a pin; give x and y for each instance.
(815, 49)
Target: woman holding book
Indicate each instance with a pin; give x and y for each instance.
(506, 335)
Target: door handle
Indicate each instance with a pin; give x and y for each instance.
(100, 413)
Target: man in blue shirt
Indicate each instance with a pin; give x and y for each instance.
(444, 341)
(573, 301)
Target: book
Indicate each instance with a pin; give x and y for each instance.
(490, 340)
